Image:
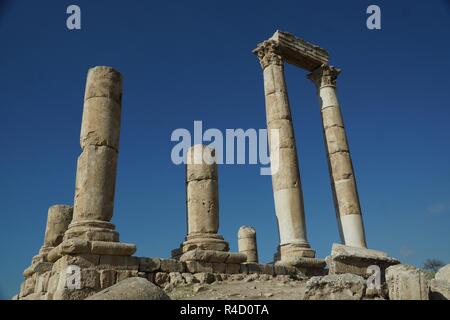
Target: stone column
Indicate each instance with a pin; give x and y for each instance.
(58, 220)
(202, 201)
(286, 182)
(247, 243)
(97, 164)
(342, 177)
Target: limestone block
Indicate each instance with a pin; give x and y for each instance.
(201, 163)
(172, 265)
(42, 282)
(82, 261)
(277, 107)
(100, 123)
(335, 287)
(341, 166)
(95, 184)
(189, 278)
(205, 277)
(336, 139)
(107, 278)
(176, 279)
(104, 82)
(199, 266)
(90, 278)
(439, 290)
(348, 259)
(233, 268)
(443, 273)
(125, 274)
(112, 248)
(131, 289)
(203, 206)
(406, 282)
(75, 246)
(287, 176)
(161, 278)
(58, 220)
(285, 133)
(219, 267)
(347, 197)
(119, 262)
(331, 116)
(149, 264)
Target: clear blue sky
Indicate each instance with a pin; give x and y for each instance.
(191, 60)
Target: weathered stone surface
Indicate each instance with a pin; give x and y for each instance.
(406, 282)
(439, 290)
(131, 289)
(101, 123)
(335, 287)
(247, 243)
(341, 166)
(107, 278)
(119, 262)
(200, 163)
(172, 265)
(149, 264)
(199, 266)
(336, 139)
(202, 202)
(213, 256)
(205, 277)
(176, 279)
(58, 220)
(287, 176)
(443, 274)
(103, 81)
(161, 278)
(95, 184)
(348, 259)
(233, 268)
(112, 248)
(331, 116)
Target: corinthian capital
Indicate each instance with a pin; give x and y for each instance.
(324, 76)
(268, 53)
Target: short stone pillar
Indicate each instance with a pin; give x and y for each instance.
(287, 189)
(202, 203)
(58, 220)
(345, 194)
(97, 164)
(247, 243)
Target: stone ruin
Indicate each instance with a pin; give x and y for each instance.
(83, 237)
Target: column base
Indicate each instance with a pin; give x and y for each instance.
(205, 241)
(94, 230)
(355, 260)
(81, 246)
(293, 250)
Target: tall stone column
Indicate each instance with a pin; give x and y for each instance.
(286, 182)
(348, 209)
(202, 201)
(97, 164)
(247, 243)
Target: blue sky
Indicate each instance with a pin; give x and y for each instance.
(191, 60)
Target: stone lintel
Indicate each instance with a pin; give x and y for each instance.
(298, 52)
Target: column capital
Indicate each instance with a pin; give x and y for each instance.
(268, 53)
(324, 76)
